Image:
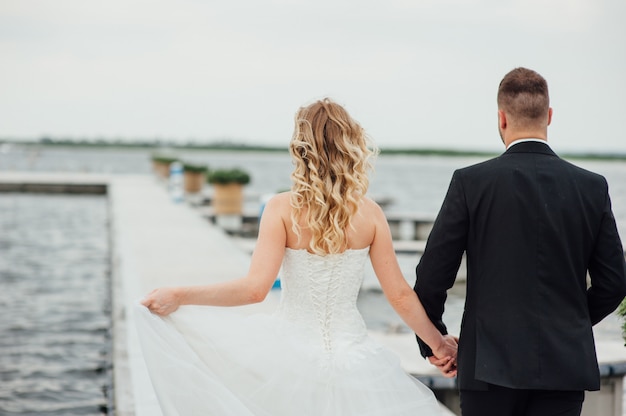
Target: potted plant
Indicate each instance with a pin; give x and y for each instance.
(228, 190)
(194, 177)
(161, 165)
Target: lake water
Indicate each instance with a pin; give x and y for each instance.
(55, 341)
(71, 231)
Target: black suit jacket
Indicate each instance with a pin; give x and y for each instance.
(532, 226)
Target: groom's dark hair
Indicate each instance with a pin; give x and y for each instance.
(523, 94)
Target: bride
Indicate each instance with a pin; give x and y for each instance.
(313, 355)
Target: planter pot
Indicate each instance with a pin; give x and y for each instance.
(161, 169)
(228, 199)
(194, 181)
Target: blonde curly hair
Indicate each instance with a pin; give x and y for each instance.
(332, 156)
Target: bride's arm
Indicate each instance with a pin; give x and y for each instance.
(400, 295)
(252, 288)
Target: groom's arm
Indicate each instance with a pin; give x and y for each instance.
(438, 266)
(607, 269)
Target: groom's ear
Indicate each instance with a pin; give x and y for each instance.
(502, 121)
(549, 115)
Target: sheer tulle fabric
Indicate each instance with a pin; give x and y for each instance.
(311, 358)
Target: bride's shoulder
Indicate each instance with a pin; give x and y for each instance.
(371, 212)
(279, 203)
(279, 200)
(371, 207)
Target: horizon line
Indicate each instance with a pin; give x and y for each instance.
(231, 145)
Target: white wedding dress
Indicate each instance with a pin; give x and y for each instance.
(312, 357)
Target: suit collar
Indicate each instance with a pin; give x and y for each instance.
(531, 147)
(529, 139)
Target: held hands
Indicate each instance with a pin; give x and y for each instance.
(162, 301)
(444, 357)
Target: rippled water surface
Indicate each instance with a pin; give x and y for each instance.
(54, 327)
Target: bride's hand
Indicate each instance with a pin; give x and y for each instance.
(447, 348)
(162, 301)
(445, 356)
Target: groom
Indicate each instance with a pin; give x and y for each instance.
(532, 226)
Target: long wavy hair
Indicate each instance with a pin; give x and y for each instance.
(332, 156)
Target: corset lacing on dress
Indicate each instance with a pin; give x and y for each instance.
(319, 294)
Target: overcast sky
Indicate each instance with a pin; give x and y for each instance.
(418, 73)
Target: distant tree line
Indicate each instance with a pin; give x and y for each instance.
(145, 143)
(231, 145)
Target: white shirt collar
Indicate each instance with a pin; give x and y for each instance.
(526, 140)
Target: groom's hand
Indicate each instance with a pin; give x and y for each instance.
(446, 365)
